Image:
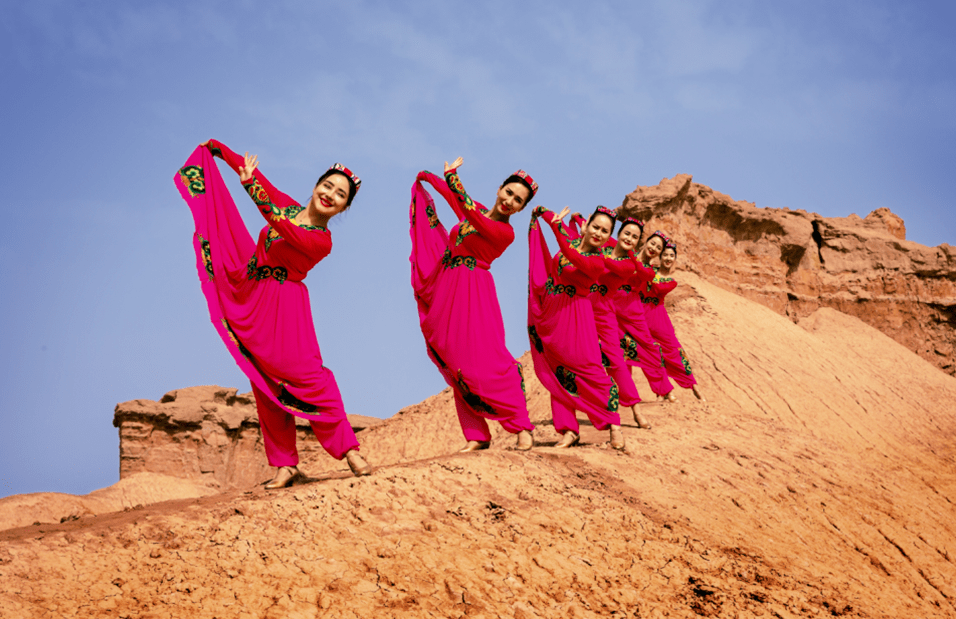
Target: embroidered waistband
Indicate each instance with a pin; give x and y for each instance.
(471, 262)
(253, 271)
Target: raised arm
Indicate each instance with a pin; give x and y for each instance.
(592, 266)
(576, 225)
(465, 207)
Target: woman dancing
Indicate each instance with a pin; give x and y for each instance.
(636, 341)
(259, 305)
(458, 304)
(659, 323)
(561, 327)
(621, 266)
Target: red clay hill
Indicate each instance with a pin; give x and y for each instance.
(819, 480)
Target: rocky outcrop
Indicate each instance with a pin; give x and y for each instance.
(795, 262)
(208, 434)
(811, 484)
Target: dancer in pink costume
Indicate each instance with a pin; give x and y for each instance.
(561, 326)
(458, 304)
(637, 343)
(620, 265)
(659, 323)
(259, 305)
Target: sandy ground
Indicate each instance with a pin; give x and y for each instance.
(818, 480)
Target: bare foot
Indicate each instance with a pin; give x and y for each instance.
(697, 393)
(669, 397)
(525, 441)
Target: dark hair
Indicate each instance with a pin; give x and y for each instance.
(626, 223)
(669, 246)
(604, 212)
(352, 188)
(514, 178)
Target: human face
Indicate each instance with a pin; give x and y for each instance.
(511, 198)
(653, 247)
(668, 256)
(331, 195)
(629, 236)
(598, 231)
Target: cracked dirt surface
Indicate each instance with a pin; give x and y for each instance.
(818, 480)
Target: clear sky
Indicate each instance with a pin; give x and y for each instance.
(832, 107)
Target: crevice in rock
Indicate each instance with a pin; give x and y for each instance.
(818, 239)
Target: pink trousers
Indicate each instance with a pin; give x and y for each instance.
(278, 432)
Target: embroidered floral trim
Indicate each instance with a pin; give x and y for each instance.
(431, 214)
(290, 401)
(473, 399)
(251, 266)
(259, 195)
(454, 183)
(216, 151)
(577, 243)
(625, 288)
(280, 274)
(629, 346)
(535, 339)
(567, 379)
(205, 251)
(614, 401)
(193, 179)
(271, 236)
(686, 363)
(550, 288)
(465, 229)
(605, 361)
(450, 263)
(235, 340)
(521, 376)
(599, 288)
(650, 300)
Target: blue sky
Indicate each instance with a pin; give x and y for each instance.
(835, 108)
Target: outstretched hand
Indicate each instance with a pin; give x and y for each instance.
(564, 213)
(245, 172)
(454, 165)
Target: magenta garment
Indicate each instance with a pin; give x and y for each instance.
(561, 327)
(617, 274)
(458, 307)
(661, 328)
(258, 303)
(637, 343)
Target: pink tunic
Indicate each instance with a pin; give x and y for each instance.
(561, 327)
(458, 307)
(637, 343)
(618, 272)
(257, 300)
(663, 330)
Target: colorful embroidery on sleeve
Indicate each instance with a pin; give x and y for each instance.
(193, 179)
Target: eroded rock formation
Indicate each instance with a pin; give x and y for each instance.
(208, 434)
(795, 262)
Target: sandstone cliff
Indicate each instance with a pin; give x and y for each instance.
(795, 262)
(812, 484)
(207, 434)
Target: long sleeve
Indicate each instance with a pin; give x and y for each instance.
(662, 288)
(592, 266)
(576, 226)
(469, 210)
(274, 207)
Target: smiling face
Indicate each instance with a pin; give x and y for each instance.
(653, 247)
(512, 197)
(330, 196)
(629, 236)
(598, 231)
(668, 256)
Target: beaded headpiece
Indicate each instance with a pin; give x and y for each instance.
(527, 179)
(607, 211)
(666, 239)
(632, 220)
(670, 244)
(338, 167)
